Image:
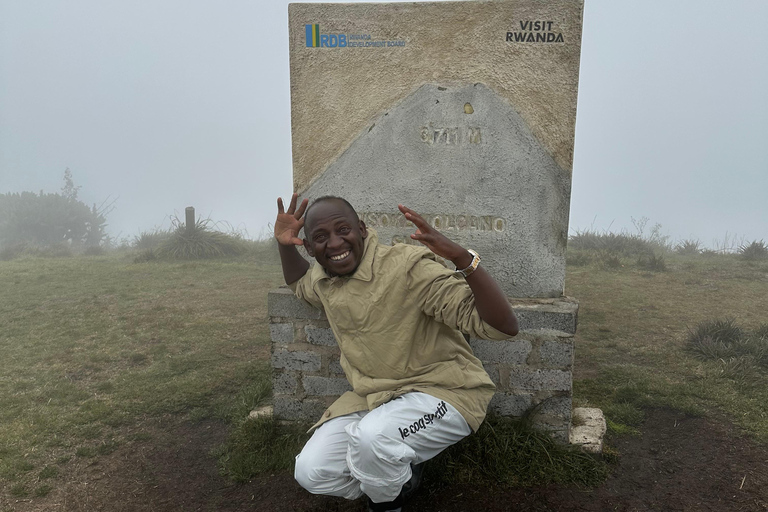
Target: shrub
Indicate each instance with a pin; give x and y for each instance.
(200, 242)
(58, 250)
(754, 251)
(48, 219)
(725, 341)
(627, 245)
(150, 239)
(688, 247)
(608, 259)
(577, 258)
(652, 261)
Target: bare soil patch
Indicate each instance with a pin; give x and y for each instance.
(678, 464)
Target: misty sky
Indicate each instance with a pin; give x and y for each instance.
(164, 104)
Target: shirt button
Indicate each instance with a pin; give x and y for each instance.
(327, 414)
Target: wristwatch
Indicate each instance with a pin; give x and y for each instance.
(472, 266)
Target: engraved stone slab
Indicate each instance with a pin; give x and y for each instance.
(464, 111)
(481, 178)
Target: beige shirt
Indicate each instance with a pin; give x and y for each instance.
(397, 321)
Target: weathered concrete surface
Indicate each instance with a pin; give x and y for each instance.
(588, 429)
(483, 179)
(338, 92)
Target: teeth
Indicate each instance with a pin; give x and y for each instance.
(340, 256)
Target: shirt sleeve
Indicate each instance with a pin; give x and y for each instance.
(447, 298)
(305, 290)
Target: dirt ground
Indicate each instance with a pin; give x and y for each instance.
(678, 464)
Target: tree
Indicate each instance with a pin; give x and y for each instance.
(69, 190)
(48, 219)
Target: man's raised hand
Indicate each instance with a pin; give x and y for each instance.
(289, 223)
(436, 241)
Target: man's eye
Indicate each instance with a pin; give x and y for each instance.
(319, 238)
(344, 229)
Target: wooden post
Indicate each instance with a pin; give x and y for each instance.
(190, 211)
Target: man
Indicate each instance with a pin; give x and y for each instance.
(397, 315)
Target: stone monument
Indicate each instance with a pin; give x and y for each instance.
(465, 112)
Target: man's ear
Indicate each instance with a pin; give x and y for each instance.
(363, 229)
(308, 248)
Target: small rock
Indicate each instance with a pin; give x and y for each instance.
(261, 411)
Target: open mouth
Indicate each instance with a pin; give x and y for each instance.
(340, 256)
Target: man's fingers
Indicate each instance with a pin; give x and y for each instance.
(297, 241)
(292, 207)
(280, 209)
(417, 219)
(303, 207)
(414, 217)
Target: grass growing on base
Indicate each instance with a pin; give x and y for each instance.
(509, 452)
(502, 452)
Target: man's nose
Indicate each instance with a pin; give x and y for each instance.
(335, 241)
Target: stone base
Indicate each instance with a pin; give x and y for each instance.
(532, 371)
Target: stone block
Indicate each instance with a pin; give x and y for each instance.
(281, 333)
(284, 384)
(507, 404)
(557, 353)
(539, 379)
(558, 315)
(297, 361)
(556, 406)
(320, 336)
(288, 408)
(493, 372)
(325, 386)
(335, 367)
(588, 429)
(508, 351)
(283, 303)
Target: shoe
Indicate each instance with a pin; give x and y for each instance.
(406, 493)
(411, 486)
(390, 506)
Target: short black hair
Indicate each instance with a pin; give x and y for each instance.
(324, 199)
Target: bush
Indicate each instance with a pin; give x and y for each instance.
(723, 340)
(59, 250)
(577, 258)
(150, 239)
(621, 243)
(754, 251)
(652, 261)
(200, 242)
(688, 247)
(49, 219)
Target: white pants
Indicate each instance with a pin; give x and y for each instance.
(371, 452)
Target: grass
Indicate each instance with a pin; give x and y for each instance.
(507, 451)
(95, 345)
(690, 338)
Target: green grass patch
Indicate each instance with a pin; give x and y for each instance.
(261, 445)
(509, 452)
(690, 338)
(94, 346)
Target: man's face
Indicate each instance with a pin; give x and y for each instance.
(334, 237)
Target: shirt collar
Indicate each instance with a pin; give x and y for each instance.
(364, 271)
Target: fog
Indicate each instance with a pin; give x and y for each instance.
(159, 105)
